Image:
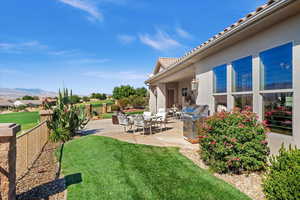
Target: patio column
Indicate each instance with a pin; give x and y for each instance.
(8, 155)
(153, 99)
(161, 96)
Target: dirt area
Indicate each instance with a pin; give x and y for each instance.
(40, 182)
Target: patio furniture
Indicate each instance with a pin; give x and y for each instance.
(161, 118)
(124, 121)
(141, 122)
(147, 115)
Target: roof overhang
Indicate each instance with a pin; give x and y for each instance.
(271, 15)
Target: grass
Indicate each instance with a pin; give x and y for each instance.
(27, 120)
(98, 103)
(111, 169)
(109, 115)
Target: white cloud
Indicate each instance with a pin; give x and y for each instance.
(86, 6)
(183, 33)
(64, 53)
(126, 39)
(160, 41)
(125, 75)
(20, 47)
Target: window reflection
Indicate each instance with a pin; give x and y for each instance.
(277, 68)
(278, 112)
(242, 74)
(220, 79)
(220, 103)
(244, 101)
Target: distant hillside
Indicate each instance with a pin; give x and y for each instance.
(9, 93)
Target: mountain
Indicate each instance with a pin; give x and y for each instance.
(9, 93)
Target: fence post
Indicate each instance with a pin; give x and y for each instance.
(104, 108)
(45, 115)
(8, 157)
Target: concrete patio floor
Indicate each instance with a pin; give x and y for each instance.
(172, 137)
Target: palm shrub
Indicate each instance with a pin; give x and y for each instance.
(282, 180)
(233, 142)
(67, 118)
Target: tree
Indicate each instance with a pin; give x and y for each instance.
(75, 99)
(98, 96)
(124, 91)
(85, 99)
(27, 97)
(142, 92)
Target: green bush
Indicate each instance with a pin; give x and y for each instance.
(282, 180)
(115, 108)
(233, 142)
(123, 103)
(137, 101)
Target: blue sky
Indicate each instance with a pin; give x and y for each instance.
(94, 45)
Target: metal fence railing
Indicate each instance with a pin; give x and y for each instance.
(29, 146)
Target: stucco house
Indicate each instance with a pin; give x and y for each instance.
(254, 62)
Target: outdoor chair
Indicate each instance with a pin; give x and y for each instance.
(140, 122)
(124, 121)
(147, 115)
(161, 118)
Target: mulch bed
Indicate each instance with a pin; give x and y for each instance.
(249, 184)
(40, 182)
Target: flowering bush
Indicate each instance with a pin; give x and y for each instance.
(234, 142)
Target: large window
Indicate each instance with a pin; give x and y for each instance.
(278, 112)
(242, 74)
(220, 103)
(220, 79)
(277, 68)
(244, 101)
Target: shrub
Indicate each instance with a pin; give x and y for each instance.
(233, 142)
(115, 108)
(137, 101)
(123, 103)
(283, 175)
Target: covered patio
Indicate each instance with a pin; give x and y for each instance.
(170, 89)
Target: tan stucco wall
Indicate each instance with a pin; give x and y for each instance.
(279, 34)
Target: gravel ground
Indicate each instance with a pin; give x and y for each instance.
(249, 184)
(40, 183)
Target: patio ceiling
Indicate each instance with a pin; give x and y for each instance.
(186, 73)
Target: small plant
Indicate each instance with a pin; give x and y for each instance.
(234, 142)
(282, 180)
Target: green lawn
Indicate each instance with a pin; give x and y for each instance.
(27, 120)
(111, 169)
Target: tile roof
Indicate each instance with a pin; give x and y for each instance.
(234, 25)
(170, 62)
(166, 62)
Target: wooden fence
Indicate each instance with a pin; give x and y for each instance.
(29, 146)
(97, 109)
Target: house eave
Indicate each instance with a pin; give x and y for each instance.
(209, 45)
